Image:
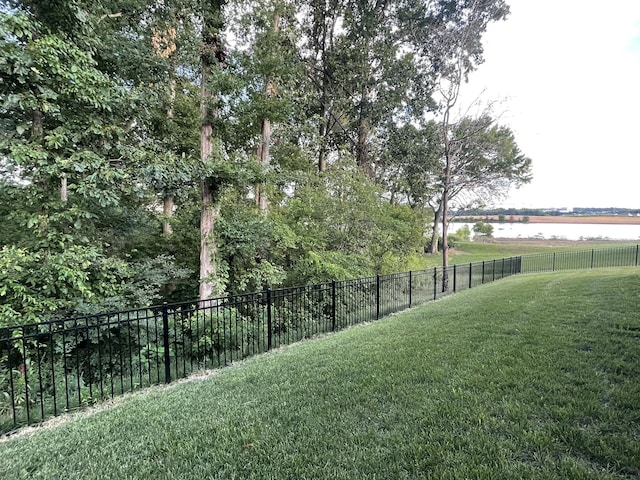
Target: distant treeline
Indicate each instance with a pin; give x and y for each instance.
(547, 211)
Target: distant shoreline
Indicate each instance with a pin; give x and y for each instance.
(592, 219)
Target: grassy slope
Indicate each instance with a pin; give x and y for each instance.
(532, 377)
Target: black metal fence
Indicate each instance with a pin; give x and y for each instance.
(583, 259)
(58, 366)
(62, 365)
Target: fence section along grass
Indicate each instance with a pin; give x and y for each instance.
(532, 378)
(582, 259)
(58, 366)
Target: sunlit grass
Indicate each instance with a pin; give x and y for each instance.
(535, 376)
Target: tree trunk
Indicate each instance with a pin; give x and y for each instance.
(37, 130)
(168, 202)
(433, 245)
(212, 56)
(362, 148)
(326, 46)
(322, 156)
(210, 210)
(264, 156)
(64, 194)
(364, 129)
(449, 155)
(445, 243)
(208, 247)
(167, 210)
(264, 159)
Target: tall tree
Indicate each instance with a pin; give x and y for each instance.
(212, 62)
(481, 159)
(66, 128)
(264, 155)
(456, 49)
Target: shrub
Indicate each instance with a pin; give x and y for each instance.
(483, 229)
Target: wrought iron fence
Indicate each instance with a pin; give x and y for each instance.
(583, 259)
(57, 366)
(62, 365)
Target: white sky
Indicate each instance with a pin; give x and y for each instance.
(566, 78)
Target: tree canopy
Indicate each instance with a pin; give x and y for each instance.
(168, 150)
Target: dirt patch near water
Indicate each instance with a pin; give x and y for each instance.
(593, 219)
(544, 242)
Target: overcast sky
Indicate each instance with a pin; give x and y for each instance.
(565, 76)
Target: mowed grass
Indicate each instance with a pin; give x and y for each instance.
(535, 376)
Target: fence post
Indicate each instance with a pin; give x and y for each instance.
(493, 273)
(333, 305)
(553, 266)
(165, 342)
(637, 247)
(377, 296)
(454, 279)
(592, 252)
(410, 287)
(435, 282)
(269, 320)
(470, 273)
(483, 272)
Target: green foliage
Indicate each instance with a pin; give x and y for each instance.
(36, 286)
(483, 229)
(463, 234)
(346, 228)
(251, 246)
(100, 124)
(9, 377)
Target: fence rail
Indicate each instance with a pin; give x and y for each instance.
(57, 366)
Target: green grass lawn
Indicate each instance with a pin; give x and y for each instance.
(535, 376)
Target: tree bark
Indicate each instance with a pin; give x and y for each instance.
(64, 194)
(362, 148)
(209, 210)
(168, 202)
(325, 46)
(208, 247)
(449, 157)
(264, 155)
(364, 129)
(167, 209)
(445, 243)
(212, 56)
(322, 160)
(264, 159)
(433, 245)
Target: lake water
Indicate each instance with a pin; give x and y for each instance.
(568, 231)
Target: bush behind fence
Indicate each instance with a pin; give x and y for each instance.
(58, 366)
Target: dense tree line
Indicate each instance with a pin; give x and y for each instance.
(164, 150)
